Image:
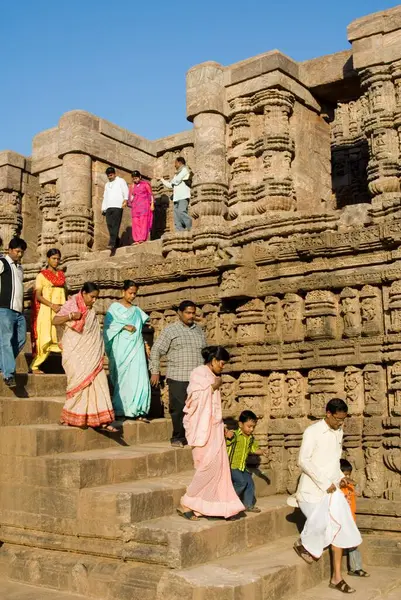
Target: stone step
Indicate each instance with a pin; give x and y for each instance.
(61, 520)
(178, 543)
(272, 572)
(384, 583)
(102, 467)
(30, 411)
(111, 510)
(103, 515)
(90, 576)
(30, 386)
(38, 440)
(18, 591)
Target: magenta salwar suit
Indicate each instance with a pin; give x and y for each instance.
(140, 200)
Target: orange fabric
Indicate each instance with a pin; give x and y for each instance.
(349, 493)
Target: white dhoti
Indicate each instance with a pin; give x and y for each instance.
(329, 521)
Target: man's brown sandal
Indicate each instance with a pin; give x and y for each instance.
(342, 586)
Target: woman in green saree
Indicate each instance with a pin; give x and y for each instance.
(127, 352)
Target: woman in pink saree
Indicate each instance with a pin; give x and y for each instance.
(141, 202)
(211, 492)
(88, 401)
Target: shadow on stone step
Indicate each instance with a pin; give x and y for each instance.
(118, 437)
(297, 518)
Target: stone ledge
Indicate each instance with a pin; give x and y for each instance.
(379, 22)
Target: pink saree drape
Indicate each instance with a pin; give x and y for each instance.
(140, 201)
(88, 397)
(211, 491)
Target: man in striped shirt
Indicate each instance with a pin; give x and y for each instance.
(12, 321)
(182, 343)
(240, 444)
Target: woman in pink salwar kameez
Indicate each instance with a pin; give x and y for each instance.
(211, 492)
(141, 202)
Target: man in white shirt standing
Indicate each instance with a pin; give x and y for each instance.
(114, 200)
(181, 186)
(12, 321)
(329, 521)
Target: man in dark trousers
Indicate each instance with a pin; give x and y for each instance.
(114, 200)
(12, 321)
(182, 343)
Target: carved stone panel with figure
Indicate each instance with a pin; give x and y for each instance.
(292, 311)
(371, 310)
(321, 315)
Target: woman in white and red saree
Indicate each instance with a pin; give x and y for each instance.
(88, 401)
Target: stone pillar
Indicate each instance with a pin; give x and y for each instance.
(383, 167)
(48, 203)
(278, 150)
(206, 108)
(12, 166)
(10, 216)
(376, 51)
(241, 194)
(76, 215)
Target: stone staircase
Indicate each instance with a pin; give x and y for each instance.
(93, 515)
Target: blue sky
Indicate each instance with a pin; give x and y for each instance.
(126, 60)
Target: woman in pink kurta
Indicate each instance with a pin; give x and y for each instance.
(211, 491)
(141, 202)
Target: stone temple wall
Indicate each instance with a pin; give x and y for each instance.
(294, 258)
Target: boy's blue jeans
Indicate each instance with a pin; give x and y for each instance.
(354, 560)
(244, 486)
(12, 339)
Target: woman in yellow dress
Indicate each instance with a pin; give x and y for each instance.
(49, 295)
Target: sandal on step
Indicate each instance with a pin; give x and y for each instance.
(142, 420)
(189, 515)
(109, 428)
(342, 586)
(303, 553)
(358, 573)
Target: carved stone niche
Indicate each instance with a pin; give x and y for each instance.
(374, 469)
(273, 319)
(373, 453)
(322, 386)
(375, 390)
(277, 394)
(356, 457)
(392, 458)
(293, 470)
(276, 462)
(321, 315)
(211, 320)
(226, 330)
(296, 402)
(350, 313)
(395, 307)
(371, 309)
(251, 393)
(354, 391)
(292, 311)
(228, 391)
(250, 322)
(170, 316)
(394, 384)
(242, 281)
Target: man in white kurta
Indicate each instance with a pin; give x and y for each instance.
(329, 521)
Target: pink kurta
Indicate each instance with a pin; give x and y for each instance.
(211, 491)
(140, 199)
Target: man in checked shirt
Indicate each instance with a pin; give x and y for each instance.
(182, 343)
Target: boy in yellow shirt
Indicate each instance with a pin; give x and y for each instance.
(240, 444)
